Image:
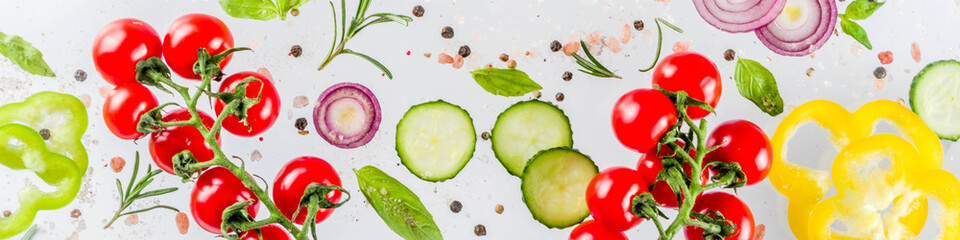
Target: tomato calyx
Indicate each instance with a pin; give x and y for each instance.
(238, 100)
(715, 226)
(315, 196)
(237, 218)
(208, 65)
(729, 173)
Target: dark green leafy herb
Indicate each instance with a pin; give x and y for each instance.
(593, 67)
(758, 85)
(23, 54)
(505, 82)
(399, 207)
(134, 189)
(862, 9)
(856, 31)
(260, 9)
(357, 23)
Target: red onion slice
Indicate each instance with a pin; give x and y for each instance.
(739, 15)
(347, 115)
(802, 28)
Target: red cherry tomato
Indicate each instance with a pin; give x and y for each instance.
(120, 45)
(732, 209)
(262, 115)
(591, 230)
(173, 140)
(123, 108)
(641, 117)
(188, 34)
(269, 232)
(293, 180)
(217, 188)
(610, 194)
(742, 142)
(650, 166)
(692, 73)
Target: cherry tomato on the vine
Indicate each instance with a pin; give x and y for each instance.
(650, 166)
(609, 197)
(591, 230)
(173, 140)
(732, 209)
(742, 142)
(692, 73)
(188, 34)
(261, 115)
(293, 180)
(269, 232)
(217, 188)
(641, 117)
(120, 45)
(123, 108)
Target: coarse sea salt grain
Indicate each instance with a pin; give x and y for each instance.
(625, 34)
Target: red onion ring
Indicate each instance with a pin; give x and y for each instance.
(806, 38)
(349, 96)
(739, 15)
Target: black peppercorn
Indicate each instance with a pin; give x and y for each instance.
(880, 72)
(485, 135)
(296, 51)
(464, 51)
(418, 11)
(480, 230)
(638, 24)
(559, 97)
(446, 32)
(729, 55)
(45, 133)
(504, 57)
(555, 46)
(456, 206)
(295, 12)
(567, 76)
(80, 75)
(300, 124)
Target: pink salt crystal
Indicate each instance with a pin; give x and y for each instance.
(571, 47)
(457, 61)
(915, 51)
(74, 236)
(612, 44)
(85, 99)
(886, 57)
(625, 34)
(106, 90)
(681, 46)
(131, 220)
(117, 163)
(300, 101)
(594, 38)
(265, 72)
(443, 58)
(879, 85)
(183, 224)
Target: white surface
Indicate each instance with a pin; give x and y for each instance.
(64, 31)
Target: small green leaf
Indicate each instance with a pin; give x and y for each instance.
(758, 85)
(862, 9)
(250, 9)
(23, 54)
(854, 30)
(505, 82)
(399, 207)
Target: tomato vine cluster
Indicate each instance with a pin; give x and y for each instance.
(186, 141)
(679, 160)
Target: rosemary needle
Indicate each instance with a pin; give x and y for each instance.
(593, 67)
(660, 41)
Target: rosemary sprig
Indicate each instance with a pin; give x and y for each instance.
(29, 233)
(593, 67)
(660, 41)
(134, 193)
(359, 22)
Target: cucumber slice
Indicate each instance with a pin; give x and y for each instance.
(435, 140)
(935, 97)
(554, 184)
(525, 129)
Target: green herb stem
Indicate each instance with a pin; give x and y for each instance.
(656, 58)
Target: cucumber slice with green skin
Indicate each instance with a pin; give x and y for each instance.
(525, 129)
(554, 184)
(935, 97)
(435, 140)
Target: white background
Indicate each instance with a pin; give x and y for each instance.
(64, 31)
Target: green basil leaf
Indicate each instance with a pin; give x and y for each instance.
(250, 9)
(862, 9)
(854, 30)
(399, 207)
(23, 54)
(758, 85)
(287, 5)
(505, 82)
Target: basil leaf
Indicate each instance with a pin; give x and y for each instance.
(758, 85)
(854, 30)
(399, 207)
(287, 5)
(505, 82)
(23, 54)
(862, 9)
(250, 9)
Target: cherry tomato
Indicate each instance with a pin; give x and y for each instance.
(120, 45)
(269, 232)
(732, 209)
(262, 115)
(188, 34)
(217, 188)
(692, 73)
(591, 230)
(293, 180)
(641, 117)
(650, 166)
(123, 108)
(742, 142)
(609, 196)
(173, 140)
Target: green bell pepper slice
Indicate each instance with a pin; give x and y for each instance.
(63, 115)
